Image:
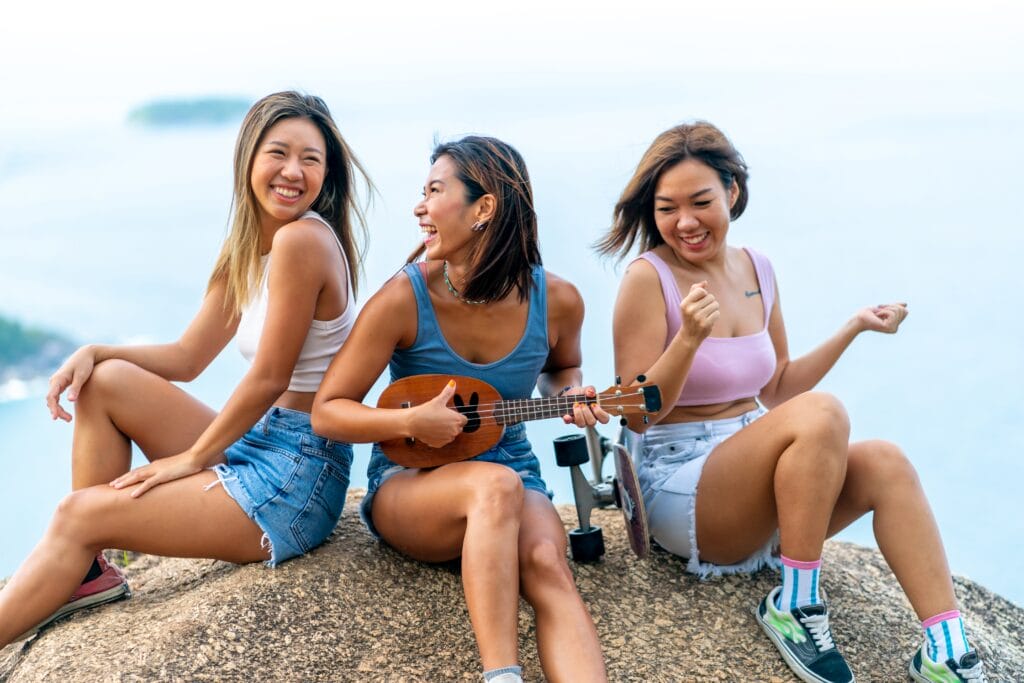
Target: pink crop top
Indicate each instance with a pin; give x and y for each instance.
(724, 368)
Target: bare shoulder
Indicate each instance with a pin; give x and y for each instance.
(304, 234)
(563, 296)
(640, 278)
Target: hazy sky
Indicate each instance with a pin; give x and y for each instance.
(105, 57)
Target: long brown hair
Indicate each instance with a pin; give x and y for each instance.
(239, 261)
(502, 257)
(633, 218)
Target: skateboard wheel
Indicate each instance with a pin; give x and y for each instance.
(571, 450)
(586, 546)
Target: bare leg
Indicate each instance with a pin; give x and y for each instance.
(783, 471)
(178, 518)
(566, 638)
(470, 509)
(880, 479)
(122, 403)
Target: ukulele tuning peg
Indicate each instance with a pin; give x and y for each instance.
(618, 380)
(641, 378)
(646, 420)
(623, 421)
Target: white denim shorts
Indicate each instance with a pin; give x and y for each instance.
(670, 460)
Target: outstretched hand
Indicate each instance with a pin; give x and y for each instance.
(434, 422)
(157, 472)
(71, 376)
(882, 318)
(585, 414)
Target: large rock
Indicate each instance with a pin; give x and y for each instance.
(355, 610)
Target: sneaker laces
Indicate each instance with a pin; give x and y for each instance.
(975, 673)
(817, 625)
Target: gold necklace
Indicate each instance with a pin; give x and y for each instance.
(455, 292)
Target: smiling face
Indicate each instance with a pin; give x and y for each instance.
(288, 170)
(445, 217)
(691, 210)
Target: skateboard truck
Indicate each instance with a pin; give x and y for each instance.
(585, 541)
(622, 491)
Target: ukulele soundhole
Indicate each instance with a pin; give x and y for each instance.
(471, 411)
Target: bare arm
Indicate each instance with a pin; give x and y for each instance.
(639, 335)
(298, 271)
(183, 360)
(794, 377)
(562, 370)
(387, 321)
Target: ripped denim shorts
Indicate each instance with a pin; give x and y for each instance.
(288, 480)
(670, 459)
(514, 450)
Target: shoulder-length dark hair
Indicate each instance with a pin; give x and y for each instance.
(633, 219)
(503, 256)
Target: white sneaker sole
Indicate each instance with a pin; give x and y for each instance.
(94, 600)
(794, 664)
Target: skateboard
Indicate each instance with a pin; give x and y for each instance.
(631, 501)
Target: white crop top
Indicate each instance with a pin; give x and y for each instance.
(323, 340)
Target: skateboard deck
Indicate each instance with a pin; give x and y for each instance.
(627, 492)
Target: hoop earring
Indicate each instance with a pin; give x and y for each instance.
(479, 226)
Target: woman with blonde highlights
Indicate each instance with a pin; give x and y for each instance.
(479, 305)
(728, 484)
(252, 482)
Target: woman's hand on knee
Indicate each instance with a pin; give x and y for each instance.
(71, 376)
(157, 472)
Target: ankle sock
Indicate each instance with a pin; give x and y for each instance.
(945, 636)
(506, 674)
(94, 571)
(799, 584)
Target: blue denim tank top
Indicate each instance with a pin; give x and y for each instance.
(514, 376)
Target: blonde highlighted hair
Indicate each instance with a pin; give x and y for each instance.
(238, 264)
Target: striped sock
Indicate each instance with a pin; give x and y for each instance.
(945, 636)
(799, 584)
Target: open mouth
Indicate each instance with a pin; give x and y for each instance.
(695, 240)
(287, 193)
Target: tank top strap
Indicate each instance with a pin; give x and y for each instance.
(427, 324)
(765, 280)
(669, 290)
(538, 320)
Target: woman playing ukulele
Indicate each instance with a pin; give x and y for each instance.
(480, 305)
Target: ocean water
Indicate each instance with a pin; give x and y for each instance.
(863, 190)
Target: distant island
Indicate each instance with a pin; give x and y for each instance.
(190, 112)
(28, 354)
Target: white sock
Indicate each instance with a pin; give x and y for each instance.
(945, 636)
(799, 584)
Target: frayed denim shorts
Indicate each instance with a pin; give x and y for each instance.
(670, 460)
(514, 450)
(288, 480)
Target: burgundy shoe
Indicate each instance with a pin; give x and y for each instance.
(109, 586)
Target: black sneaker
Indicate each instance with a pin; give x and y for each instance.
(969, 668)
(804, 641)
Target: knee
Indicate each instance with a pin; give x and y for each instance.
(77, 516)
(543, 564)
(107, 377)
(822, 417)
(887, 466)
(498, 491)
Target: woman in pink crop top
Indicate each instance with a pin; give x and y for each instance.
(702, 319)
(252, 482)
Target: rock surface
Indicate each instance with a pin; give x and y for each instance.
(354, 610)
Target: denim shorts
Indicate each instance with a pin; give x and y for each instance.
(670, 460)
(288, 480)
(514, 450)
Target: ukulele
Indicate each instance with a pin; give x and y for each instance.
(487, 413)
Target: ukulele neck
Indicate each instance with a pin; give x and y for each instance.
(512, 412)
